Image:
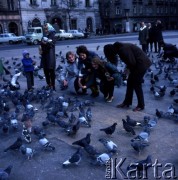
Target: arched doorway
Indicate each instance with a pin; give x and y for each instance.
(36, 23)
(89, 24)
(13, 28)
(57, 24)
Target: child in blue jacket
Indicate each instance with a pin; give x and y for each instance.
(28, 65)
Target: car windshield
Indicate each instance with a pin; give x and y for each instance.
(31, 31)
(12, 34)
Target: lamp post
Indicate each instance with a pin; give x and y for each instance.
(20, 13)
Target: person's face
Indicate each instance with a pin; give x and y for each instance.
(82, 56)
(94, 65)
(27, 55)
(71, 58)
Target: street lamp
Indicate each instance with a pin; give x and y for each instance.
(127, 23)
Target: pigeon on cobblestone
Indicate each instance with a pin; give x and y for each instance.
(139, 145)
(127, 127)
(109, 130)
(5, 172)
(15, 146)
(132, 122)
(82, 142)
(46, 144)
(29, 152)
(74, 159)
(109, 145)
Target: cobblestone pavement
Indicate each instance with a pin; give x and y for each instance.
(47, 165)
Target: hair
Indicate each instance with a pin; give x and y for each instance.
(98, 61)
(69, 53)
(82, 49)
(110, 53)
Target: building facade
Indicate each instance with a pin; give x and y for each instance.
(10, 20)
(125, 15)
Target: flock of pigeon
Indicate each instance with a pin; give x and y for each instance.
(18, 109)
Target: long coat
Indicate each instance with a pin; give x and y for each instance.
(48, 57)
(135, 59)
(143, 35)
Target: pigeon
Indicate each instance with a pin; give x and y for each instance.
(176, 100)
(127, 127)
(74, 159)
(29, 152)
(88, 114)
(132, 122)
(46, 144)
(14, 79)
(41, 77)
(83, 120)
(5, 172)
(139, 145)
(172, 92)
(39, 131)
(141, 165)
(72, 118)
(26, 135)
(15, 146)
(91, 150)
(143, 136)
(109, 130)
(102, 159)
(72, 129)
(159, 114)
(82, 142)
(97, 48)
(109, 145)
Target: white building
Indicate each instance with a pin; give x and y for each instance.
(62, 14)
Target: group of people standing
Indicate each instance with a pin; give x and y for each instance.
(149, 35)
(84, 69)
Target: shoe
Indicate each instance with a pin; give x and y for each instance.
(110, 99)
(94, 94)
(138, 109)
(106, 97)
(122, 105)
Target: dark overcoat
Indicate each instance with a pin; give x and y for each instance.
(135, 59)
(48, 56)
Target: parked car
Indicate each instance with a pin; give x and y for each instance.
(11, 38)
(62, 34)
(76, 33)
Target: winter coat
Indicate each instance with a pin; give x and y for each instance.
(135, 59)
(27, 63)
(157, 32)
(48, 57)
(143, 35)
(70, 70)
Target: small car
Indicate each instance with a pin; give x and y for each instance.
(11, 38)
(76, 33)
(62, 34)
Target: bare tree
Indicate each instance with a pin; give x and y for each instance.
(69, 5)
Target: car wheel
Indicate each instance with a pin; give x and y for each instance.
(10, 42)
(35, 42)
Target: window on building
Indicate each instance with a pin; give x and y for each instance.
(87, 3)
(53, 3)
(118, 10)
(33, 2)
(73, 24)
(10, 4)
(134, 10)
(141, 9)
(166, 9)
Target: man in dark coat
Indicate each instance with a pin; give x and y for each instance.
(158, 36)
(137, 63)
(47, 51)
(143, 36)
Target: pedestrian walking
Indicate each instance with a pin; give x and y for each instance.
(28, 66)
(48, 59)
(143, 36)
(137, 63)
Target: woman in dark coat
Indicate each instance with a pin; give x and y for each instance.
(106, 72)
(47, 51)
(137, 63)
